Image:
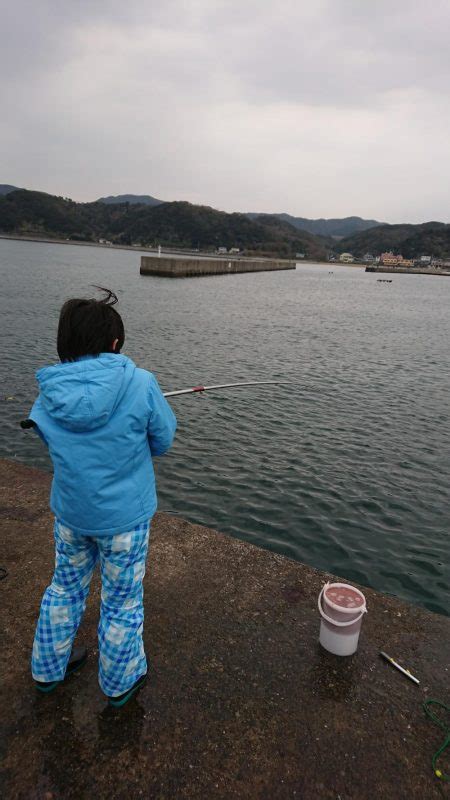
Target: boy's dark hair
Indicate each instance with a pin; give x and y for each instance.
(89, 327)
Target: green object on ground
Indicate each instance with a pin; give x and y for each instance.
(445, 727)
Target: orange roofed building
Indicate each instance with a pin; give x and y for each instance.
(390, 260)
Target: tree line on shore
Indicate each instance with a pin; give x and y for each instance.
(177, 224)
(184, 225)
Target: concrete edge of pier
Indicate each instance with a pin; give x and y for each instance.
(241, 700)
(179, 267)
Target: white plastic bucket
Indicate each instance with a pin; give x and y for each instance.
(342, 608)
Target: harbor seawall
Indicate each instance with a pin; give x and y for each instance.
(195, 267)
(408, 271)
(241, 701)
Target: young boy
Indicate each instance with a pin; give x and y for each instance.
(103, 419)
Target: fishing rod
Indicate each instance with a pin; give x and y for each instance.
(29, 423)
(222, 386)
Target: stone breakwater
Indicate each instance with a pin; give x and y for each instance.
(241, 701)
(409, 271)
(194, 267)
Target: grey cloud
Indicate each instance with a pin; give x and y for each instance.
(341, 54)
(250, 105)
(335, 52)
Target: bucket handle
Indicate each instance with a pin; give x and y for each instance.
(334, 621)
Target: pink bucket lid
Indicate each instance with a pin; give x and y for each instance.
(343, 597)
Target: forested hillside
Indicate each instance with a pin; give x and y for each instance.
(184, 225)
(176, 224)
(412, 241)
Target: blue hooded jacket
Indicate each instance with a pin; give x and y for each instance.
(102, 419)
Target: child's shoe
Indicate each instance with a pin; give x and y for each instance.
(123, 698)
(78, 657)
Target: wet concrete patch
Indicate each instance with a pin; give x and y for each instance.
(241, 701)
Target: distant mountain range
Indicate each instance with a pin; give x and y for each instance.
(336, 228)
(332, 227)
(134, 199)
(142, 219)
(5, 188)
(177, 224)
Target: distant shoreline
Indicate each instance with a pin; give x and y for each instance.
(168, 251)
(77, 244)
(137, 248)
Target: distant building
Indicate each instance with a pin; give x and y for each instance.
(222, 250)
(425, 260)
(369, 258)
(346, 258)
(104, 241)
(391, 260)
(234, 251)
(299, 255)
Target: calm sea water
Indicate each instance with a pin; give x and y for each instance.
(347, 468)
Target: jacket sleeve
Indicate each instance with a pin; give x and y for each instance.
(162, 422)
(35, 414)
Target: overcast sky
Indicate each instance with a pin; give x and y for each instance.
(324, 108)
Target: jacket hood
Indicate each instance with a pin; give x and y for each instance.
(81, 395)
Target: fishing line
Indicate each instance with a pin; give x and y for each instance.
(446, 728)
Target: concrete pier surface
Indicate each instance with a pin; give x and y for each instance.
(241, 701)
(179, 267)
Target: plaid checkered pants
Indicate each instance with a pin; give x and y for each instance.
(121, 650)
